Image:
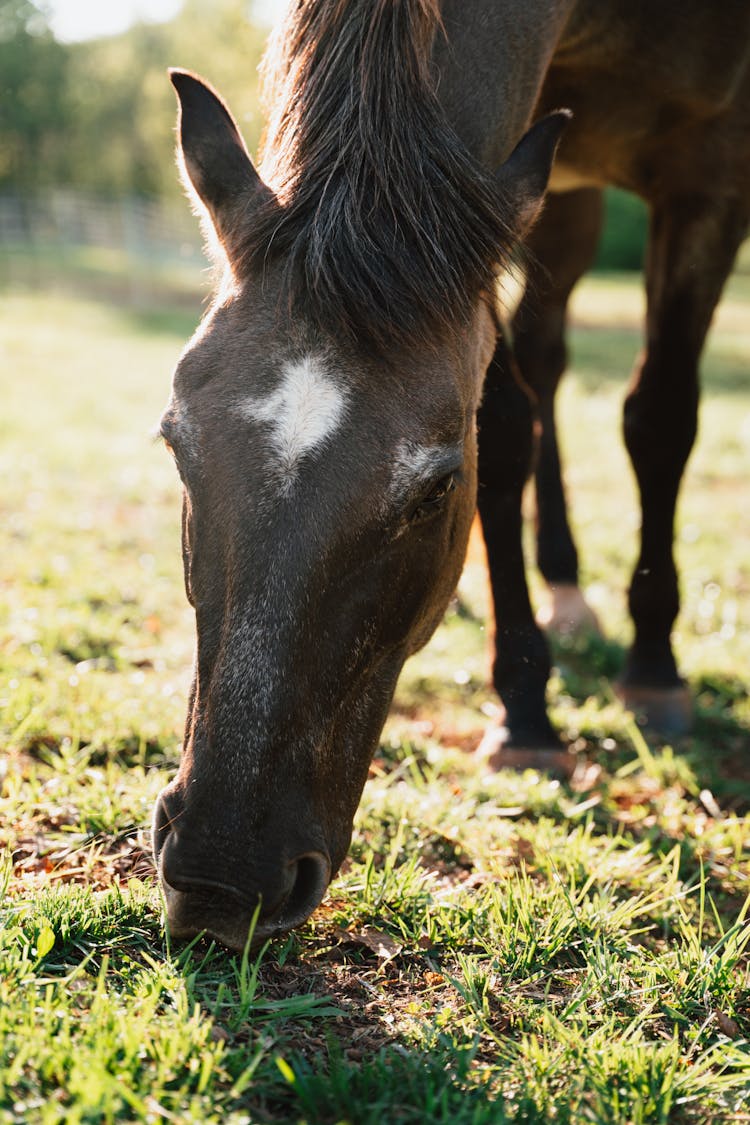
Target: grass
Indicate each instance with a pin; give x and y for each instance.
(499, 948)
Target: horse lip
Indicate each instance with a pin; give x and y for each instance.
(232, 935)
(191, 883)
(227, 931)
(181, 898)
(183, 926)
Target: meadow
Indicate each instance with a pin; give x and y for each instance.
(497, 948)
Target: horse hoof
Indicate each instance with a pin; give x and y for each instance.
(498, 752)
(666, 711)
(568, 614)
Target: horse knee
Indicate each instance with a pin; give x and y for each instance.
(506, 435)
(540, 349)
(660, 421)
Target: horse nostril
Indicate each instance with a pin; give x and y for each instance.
(161, 825)
(311, 877)
(198, 901)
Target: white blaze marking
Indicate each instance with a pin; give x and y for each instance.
(303, 412)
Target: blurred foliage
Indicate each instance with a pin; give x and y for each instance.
(99, 115)
(33, 88)
(623, 241)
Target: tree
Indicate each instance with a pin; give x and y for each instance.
(100, 115)
(33, 94)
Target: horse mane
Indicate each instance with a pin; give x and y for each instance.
(386, 227)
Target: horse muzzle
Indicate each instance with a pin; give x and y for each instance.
(234, 902)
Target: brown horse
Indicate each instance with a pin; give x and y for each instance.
(324, 417)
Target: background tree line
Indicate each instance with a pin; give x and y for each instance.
(98, 115)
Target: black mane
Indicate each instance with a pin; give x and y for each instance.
(388, 229)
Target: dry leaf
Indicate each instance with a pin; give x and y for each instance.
(382, 945)
(727, 1025)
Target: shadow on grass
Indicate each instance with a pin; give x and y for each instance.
(607, 355)
(353, 1065)
(584, 661)
(718, 747)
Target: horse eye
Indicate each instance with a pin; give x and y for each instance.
(433, 501)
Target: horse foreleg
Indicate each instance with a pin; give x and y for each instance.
(522, 665)
(560, 249)
(692, 244)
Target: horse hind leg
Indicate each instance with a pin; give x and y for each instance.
(561, 248)
(692, 244)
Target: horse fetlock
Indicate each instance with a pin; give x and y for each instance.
(665, 711)
(506, 747)
(567, 613)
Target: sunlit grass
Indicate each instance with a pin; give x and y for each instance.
(498, 947)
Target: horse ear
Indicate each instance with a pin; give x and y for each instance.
(212, 153)
(523, 177)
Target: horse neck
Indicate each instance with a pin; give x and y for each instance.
(491, 63)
